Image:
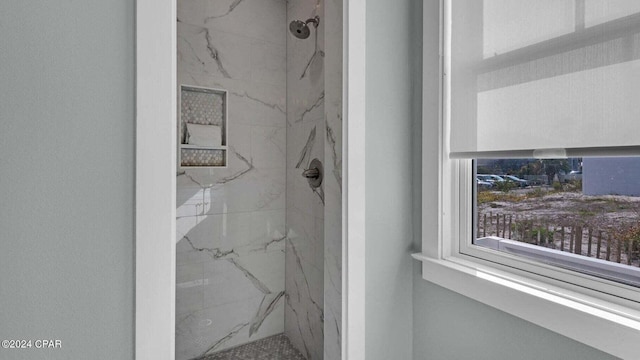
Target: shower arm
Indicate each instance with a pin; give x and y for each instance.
(314, 20)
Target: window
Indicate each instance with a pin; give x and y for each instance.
(531, 80)
(551, 84)
(554, 213)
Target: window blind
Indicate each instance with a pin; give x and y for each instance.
(544, 78)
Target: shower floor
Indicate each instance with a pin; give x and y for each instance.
(277, 347)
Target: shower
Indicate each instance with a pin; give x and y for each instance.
(253, 248)
(300, 29)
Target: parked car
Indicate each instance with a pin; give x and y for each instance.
(490, 178)
(519, 182)
(483, 184)
(574, 175)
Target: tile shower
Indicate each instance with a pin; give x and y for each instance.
(258, 250)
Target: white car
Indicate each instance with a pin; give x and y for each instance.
(483, 184)
(516, 180)
(490, 178)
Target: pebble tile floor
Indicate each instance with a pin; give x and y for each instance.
(277, 347)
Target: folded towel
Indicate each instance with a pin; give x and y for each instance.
(204, 135)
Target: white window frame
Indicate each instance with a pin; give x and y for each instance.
(568, 303)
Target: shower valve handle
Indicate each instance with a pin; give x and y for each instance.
(314, 173)
(311, 173)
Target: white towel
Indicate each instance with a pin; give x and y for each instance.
(204, 135)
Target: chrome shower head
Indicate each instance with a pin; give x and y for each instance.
(300, 29)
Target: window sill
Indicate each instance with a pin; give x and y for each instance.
(587, 265)
(606, 326)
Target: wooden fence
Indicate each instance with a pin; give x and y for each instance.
(576, 238)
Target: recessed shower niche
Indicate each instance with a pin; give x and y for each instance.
(203, 125)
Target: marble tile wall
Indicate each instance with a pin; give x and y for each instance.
(333, 181)
(306, 134)
(259, 251)
(231, 222)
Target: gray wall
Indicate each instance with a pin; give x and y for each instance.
(388, 173)
(450, 326)
(67, 183)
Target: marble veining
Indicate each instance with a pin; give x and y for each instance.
(337, 160)
(299, 327)
(192, 50)
(231, 8)
(254, 280)
(258, 250)
(232, 320)
(333, 185)
(216, 253)
(213, 52)
(268, 304)
(265, 247)
(257, 19)
(226, 179)
(211, 48)
(230, 229)
(237, 252)
(316, 104)
(305, 153)
(305, 282)
(319, 191)
(317, 53)
(263, 102)
(306, 140)
(230, 335)
(240, 173)
(255, 103)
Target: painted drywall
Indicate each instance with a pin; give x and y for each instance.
(447, 325)
(67, 136)
(389, 185)
(451, 326)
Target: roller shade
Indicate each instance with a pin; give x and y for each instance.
(544, 78)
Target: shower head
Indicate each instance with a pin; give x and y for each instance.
(300, 29)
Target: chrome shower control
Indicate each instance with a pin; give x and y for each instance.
(311, 173)
(314, 173)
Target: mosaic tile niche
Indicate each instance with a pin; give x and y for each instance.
(203, 110)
